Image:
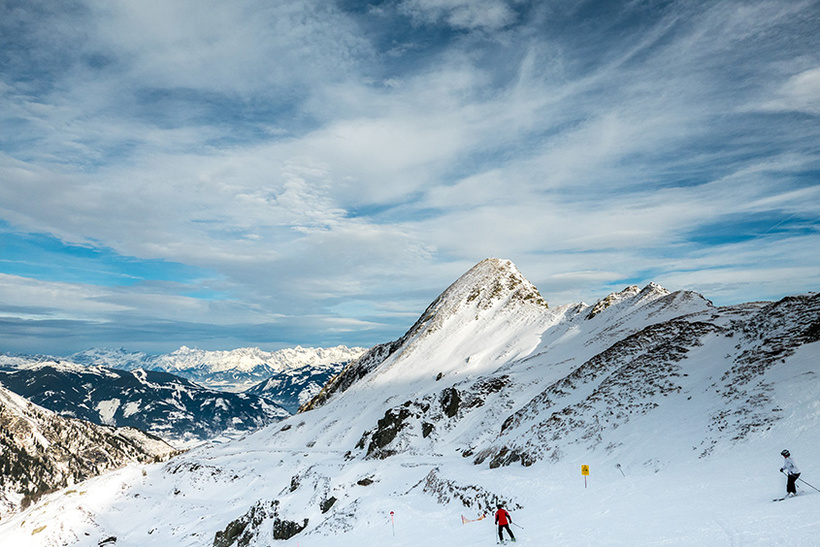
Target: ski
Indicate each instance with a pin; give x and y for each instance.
(785, 498)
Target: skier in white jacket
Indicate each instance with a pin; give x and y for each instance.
(792, 472)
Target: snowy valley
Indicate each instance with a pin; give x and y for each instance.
(679, 408)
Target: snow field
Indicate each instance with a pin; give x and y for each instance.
(723, 500)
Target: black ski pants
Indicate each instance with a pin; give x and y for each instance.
(791, 486)
(501, 528)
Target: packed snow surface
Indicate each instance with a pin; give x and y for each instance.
(726, 500)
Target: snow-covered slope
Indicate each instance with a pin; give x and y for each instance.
(679, 408)
(235, 370)
(165, 405)
(41, 451)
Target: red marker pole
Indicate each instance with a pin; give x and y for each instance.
(392, 524)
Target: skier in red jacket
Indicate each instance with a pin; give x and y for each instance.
(503, 519)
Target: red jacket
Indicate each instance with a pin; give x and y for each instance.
(502, 517)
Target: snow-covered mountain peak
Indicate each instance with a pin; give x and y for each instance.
(229, 370)
(653, 290)
(240, 357)
(119, 358)
(463, 327)
(629, 296)
(489, 282)
(611, 299)
(246, 360)
(58, 366)
(492, 285)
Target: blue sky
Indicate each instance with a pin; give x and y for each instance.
(272, 173)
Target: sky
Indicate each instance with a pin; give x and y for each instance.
(271, 172)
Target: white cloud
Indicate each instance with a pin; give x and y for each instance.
(801, 93)
(235, 47)
(486, 15)
(53, 300)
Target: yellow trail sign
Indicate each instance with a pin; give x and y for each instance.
(585, 470)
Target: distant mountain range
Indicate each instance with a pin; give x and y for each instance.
(234, 370)
(68, 419)
(162, 404)
(42, 451)
(164, 394)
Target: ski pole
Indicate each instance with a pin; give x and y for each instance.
(517, 526)
(807, 484)
(801, 480)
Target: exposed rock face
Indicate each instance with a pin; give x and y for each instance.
(353, 372)
(629, 295)
(247, 529)
(42, 451)
(470, 496)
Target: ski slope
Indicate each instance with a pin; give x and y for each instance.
(723, 501)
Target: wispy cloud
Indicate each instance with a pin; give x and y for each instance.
(318, 171)
(489, 15)
(800, 93)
